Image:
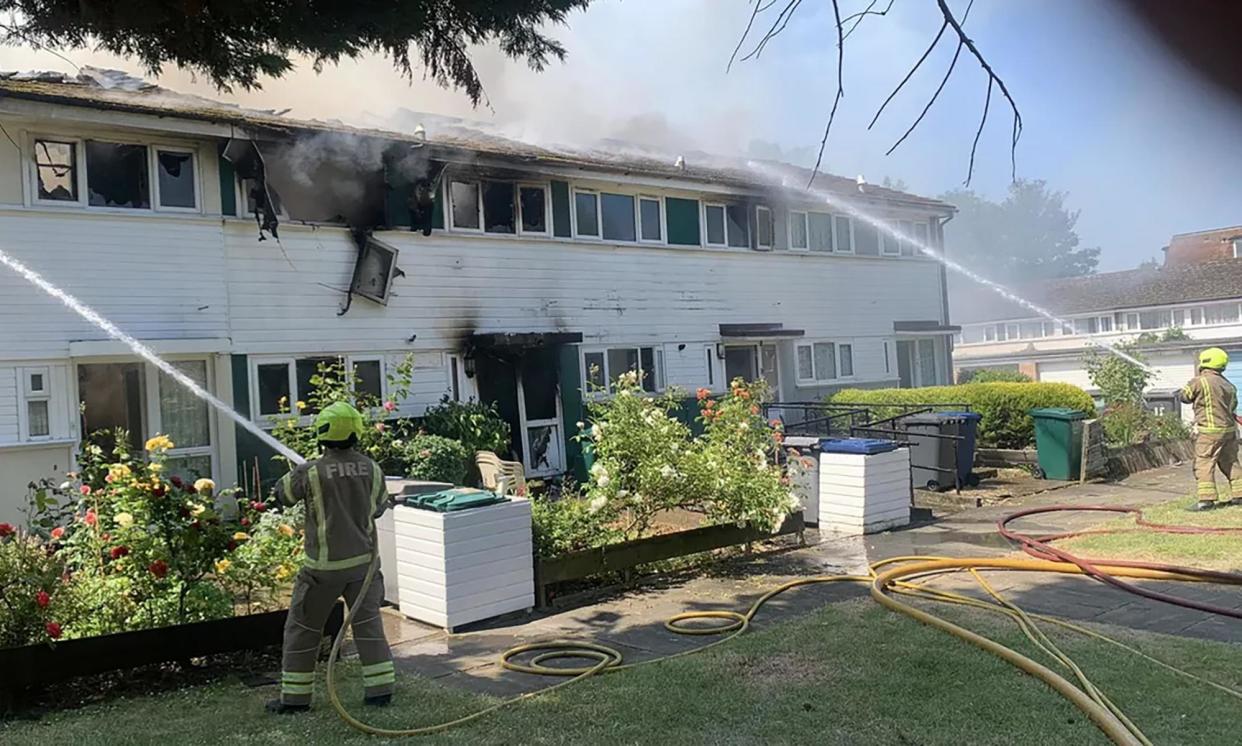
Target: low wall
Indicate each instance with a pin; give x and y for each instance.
(1131, 459)
(1005, 457)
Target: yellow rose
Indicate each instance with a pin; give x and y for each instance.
(301, 405)
(155, 468)
(196, 510)
(283, 572)
(204, 486)
(159, 444)
(119, 472)
(222, 566)
(241, 536)
(124, 520)
(285, 529)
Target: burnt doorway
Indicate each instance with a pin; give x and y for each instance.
(112, 400)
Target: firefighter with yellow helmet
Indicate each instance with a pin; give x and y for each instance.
(1215, 402)
(344, 494)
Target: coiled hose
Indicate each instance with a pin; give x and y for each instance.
(884, 584)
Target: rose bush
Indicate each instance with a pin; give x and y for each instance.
(435, 459)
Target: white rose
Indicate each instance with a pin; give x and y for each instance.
(667, 471)
(602, 480)
(579, 424)
(596, 504)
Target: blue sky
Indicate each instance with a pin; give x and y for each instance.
(1141, 147)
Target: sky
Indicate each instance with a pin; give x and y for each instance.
(1143, 149)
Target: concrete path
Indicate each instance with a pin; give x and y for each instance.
(633, 620)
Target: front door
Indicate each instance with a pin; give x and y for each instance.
(539, 411)
(142, 400)
(750, 362)
(917, 363)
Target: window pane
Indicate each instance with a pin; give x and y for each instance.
(306, 368)
(651, 378)
(711, 366)
(821, 231)
(1179, 317)
(38, 425)
(183, 416)
(273, 386)
(1196, 316)
(847, 360)
(621, 360)
(176, 174)
(585, 212)
(498, 208)
(907, 229)
(649, 214)
(866, 240)
(595, 374)
(715, 224)
(618, 212)
(367, 379)
(1106, 324)
(806, 369)
(57, 164)
(738, 219)
(763, 227)
(920, 234)
(36, 382)
(465, 199)
(825, 361)
(797, 230)
(843, 238)
(927, 362)
(116, 175)
(189, 468)
(534, 209)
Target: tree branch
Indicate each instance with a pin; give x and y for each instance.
(819, 158)
(910, 74)
(745, 33)
(858, 17)
(970, 170)
(782, 20)
(931, 101)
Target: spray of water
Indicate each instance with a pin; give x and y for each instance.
(853, 211)
(145, 353)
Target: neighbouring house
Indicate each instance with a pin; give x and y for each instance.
(1204, 246)
(247, 247)
(1177, 310)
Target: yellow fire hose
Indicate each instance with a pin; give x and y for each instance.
(898, 578)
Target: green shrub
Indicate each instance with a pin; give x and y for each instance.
(993, 375)
(1128, 424)
(477, 426)
(570, 524)
(1005, 407)
(435, 459)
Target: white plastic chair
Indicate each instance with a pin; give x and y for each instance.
(501, 477)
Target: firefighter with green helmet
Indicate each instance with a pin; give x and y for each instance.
(1215, 402)
(344, 494)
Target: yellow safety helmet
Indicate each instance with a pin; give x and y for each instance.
(1214, 358)
(338, 421)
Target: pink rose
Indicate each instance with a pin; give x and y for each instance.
(58, 532)
(90, 519)
(390, 405)
(85, 490)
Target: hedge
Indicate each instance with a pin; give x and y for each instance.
(1005, 407)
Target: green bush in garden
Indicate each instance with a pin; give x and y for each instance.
(568, 525)
(432, 458)
(478, 426)
(993, 375)
(1005, 407)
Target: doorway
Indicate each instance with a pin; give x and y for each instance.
(142, 400)
(917, 363)
(750, 362)
(524, 384)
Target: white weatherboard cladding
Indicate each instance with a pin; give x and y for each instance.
(9, 398)
(864, 493)
(456, 285)
(155, 277)
(461, 567)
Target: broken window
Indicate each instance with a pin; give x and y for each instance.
(117, 175)
(586, 212)
(259, 195)
(498, 207)
(533, 200)
(273, 384)
(650, 224)
(175, 174)
(368, 381)
(56, 164)
(714, 216)
(618, 216)
(738, 221)
(464, 196)
(374, 270)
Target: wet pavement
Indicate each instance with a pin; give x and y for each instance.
(632, 620)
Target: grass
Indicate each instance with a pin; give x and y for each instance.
(850, 673)
(1213, 552)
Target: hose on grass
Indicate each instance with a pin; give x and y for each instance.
(885, 584)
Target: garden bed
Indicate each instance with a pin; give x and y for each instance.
(38, 665)
(630, 554)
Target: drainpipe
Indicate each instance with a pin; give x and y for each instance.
(944, 296)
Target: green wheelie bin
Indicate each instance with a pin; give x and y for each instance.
(1058, 439)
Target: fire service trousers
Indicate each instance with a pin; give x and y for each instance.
(1217, 451)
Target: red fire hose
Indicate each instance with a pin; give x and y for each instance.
(1038, 547)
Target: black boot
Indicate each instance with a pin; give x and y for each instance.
(1202, 505)
(281, 708)
(379, 700)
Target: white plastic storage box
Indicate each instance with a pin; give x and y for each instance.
(863, 491)
(384, 529)
(806, 475)
(463, 566)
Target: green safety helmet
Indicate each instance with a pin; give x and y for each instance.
(1214, 358)
(338, 421)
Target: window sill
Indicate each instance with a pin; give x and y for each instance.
(30, 445)
(821, 384)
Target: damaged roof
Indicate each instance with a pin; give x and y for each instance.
(117, 91)
(1111, 291)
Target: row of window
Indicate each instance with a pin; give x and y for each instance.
(278, 385)
(118, 175)
(1121, 321)
(824, 362)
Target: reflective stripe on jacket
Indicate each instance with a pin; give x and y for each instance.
(344, 494)
(1215, 399)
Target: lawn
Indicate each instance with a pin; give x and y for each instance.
(1214, 552)
(850, 673)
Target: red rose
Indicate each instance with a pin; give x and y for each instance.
(258, 506)
(53, 630)
(6, 529)
(185, 512)
(42, 599)
(58, 532)
(159, 490)
(176, 481)
(90, 518)
(189, 488)
(158, 568)
(231, 545)
(196, 524)
(118, 552)
(244, 521)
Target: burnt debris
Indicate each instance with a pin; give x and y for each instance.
(261, 200)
